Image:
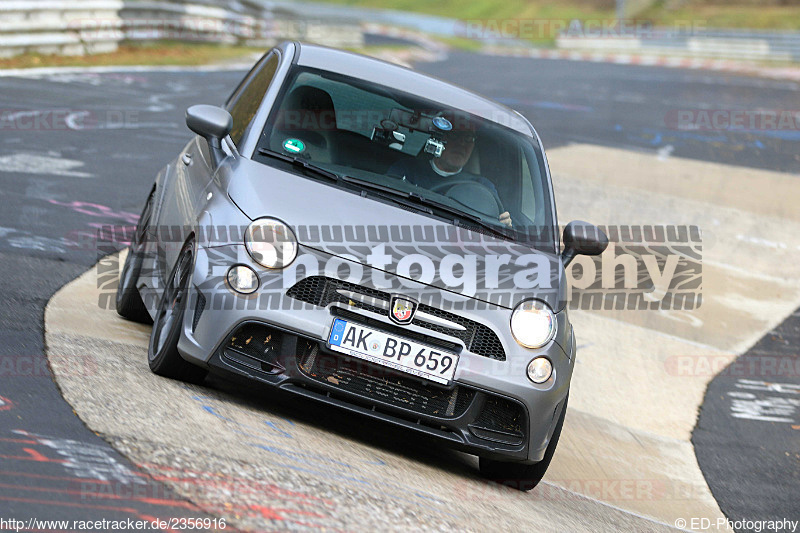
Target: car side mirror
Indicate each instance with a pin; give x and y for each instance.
(582, 238)
(213, 124)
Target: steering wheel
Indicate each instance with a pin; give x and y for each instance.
(473, 195)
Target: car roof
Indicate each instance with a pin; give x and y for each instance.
(409, 81)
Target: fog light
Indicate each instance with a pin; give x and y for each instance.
(243, 279)
(539, 370)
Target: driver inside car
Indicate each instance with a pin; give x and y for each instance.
(435, 173)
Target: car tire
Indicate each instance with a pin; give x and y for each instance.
(128, 301)
(162, 353)
(520, 476)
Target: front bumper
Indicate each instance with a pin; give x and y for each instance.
(490, 409)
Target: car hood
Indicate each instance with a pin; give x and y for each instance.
(398, 241)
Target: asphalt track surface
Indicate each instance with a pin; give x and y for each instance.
(99, 139)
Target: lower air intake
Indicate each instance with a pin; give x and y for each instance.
(500, 420)
(381, 386)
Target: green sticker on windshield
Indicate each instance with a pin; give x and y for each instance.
(294, 146)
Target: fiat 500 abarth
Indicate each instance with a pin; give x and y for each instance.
(357, 233)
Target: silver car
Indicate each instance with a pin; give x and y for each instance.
(355, 232)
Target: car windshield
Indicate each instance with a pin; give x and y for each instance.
(444, 159)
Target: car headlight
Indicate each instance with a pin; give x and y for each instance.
(533, 324)
(270, 243)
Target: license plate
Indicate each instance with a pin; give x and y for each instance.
(394, 352)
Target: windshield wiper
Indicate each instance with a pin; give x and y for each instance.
(387, 193)
(301, 163)
(459, 214)
(427, 203)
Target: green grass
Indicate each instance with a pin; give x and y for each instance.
(700, 13)
(486, 9)
(729, 16)
(461, 43)
(165, 53)
(489, 13)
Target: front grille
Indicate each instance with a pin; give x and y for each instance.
(482, 340)
(321, 291)
(312, 289)
(377, 384)
(500, 419)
